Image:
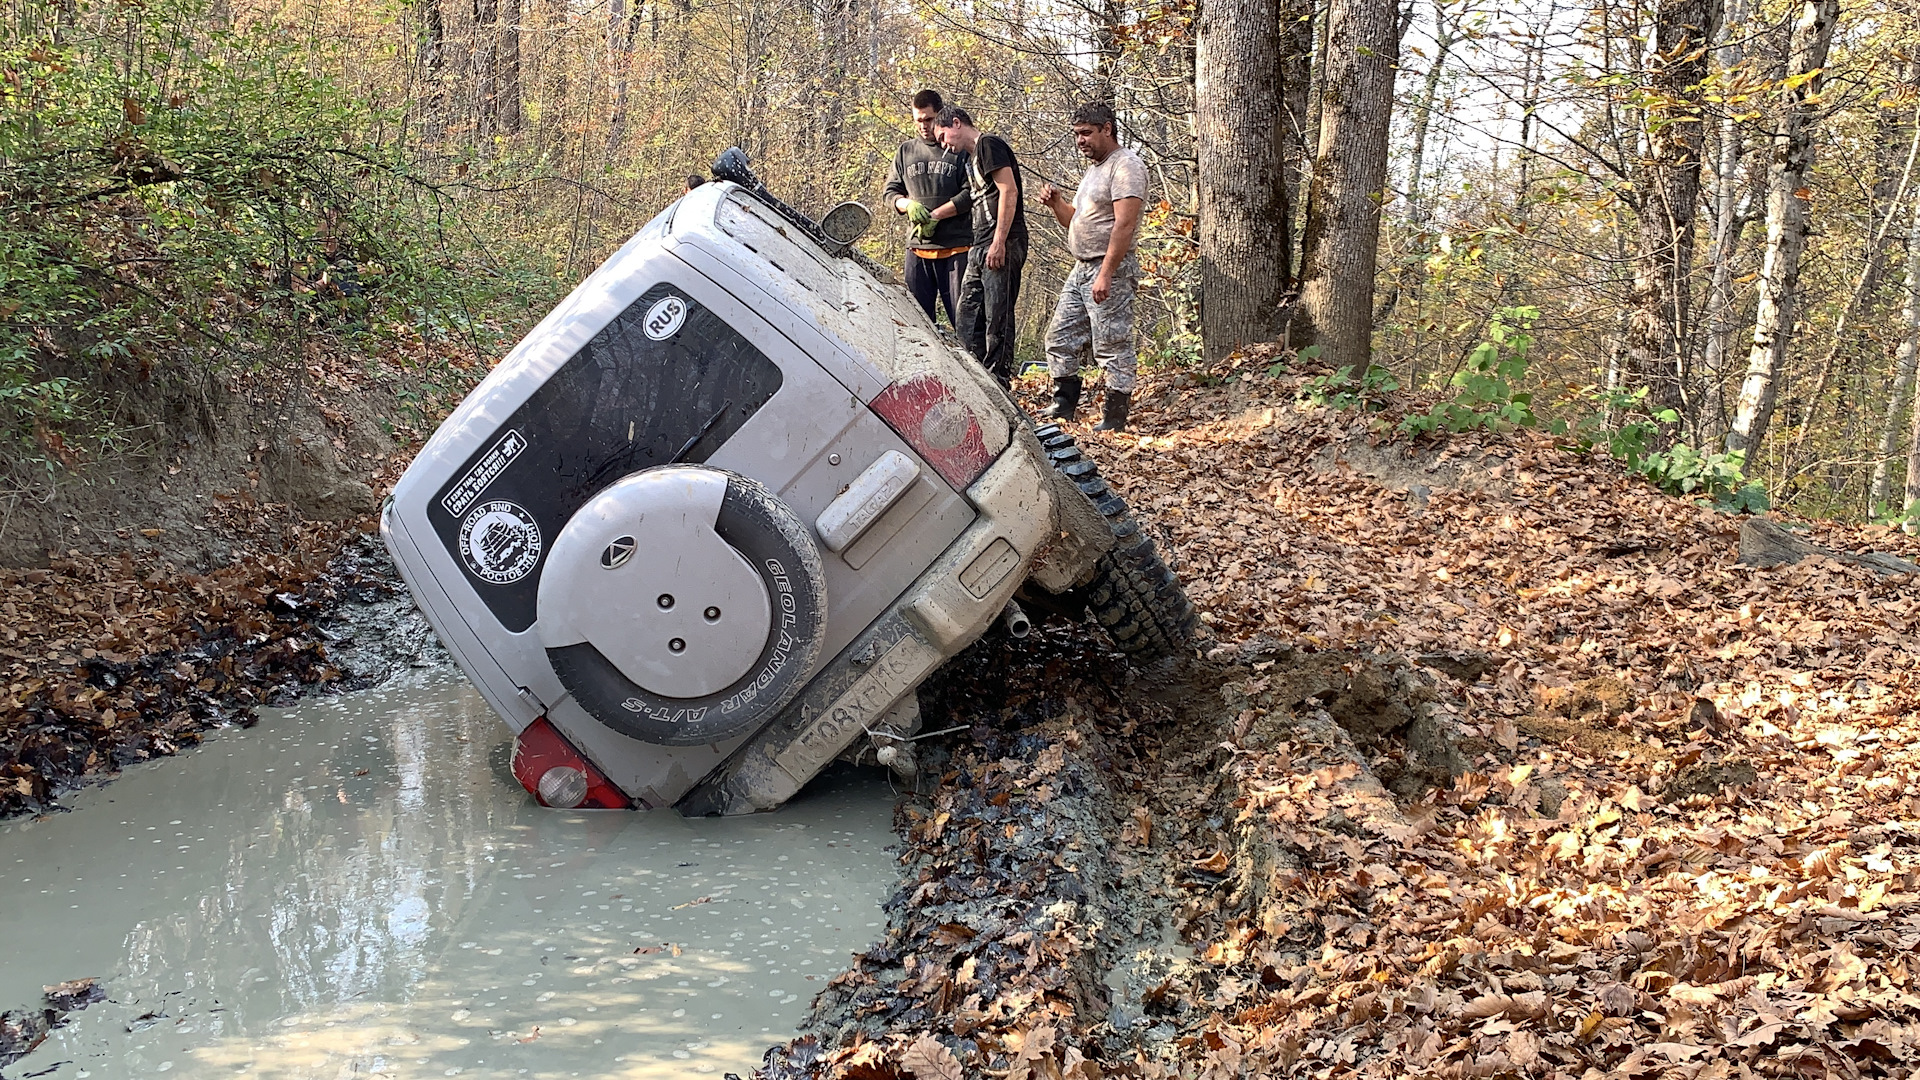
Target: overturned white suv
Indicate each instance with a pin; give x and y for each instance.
(714, 520)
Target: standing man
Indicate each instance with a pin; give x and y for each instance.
(1095, 311)
(992, 282)
(926, 176)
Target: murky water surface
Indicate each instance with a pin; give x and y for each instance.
(354, 888)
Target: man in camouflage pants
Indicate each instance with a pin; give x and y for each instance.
(1095, 310)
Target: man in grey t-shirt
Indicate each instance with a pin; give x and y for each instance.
(1095, 310)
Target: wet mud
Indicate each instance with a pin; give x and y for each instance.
(354, 888)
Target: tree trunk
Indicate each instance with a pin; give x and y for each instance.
(1790, 159)
(507, 96)
(1238, 127)
(1729, 220)
(485, 54)
(1344, 199)
(431, 60)
(1903, 373)
(1666, 185)
(1296, 148)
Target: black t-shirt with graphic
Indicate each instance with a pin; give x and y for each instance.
(991, 154)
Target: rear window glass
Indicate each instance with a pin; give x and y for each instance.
(666, 381)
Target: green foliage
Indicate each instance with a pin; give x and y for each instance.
(1486, 393)
(175, 193)
(1341, 390)
(1619, 420)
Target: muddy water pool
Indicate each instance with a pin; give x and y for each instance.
(355, 888)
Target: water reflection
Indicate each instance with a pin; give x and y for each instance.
(353, 889)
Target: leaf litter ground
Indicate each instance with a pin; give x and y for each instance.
(1496, 763)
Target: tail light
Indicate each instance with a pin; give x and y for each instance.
(547, 765)
(924, 412)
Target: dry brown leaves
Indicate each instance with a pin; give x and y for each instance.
(1552, 914)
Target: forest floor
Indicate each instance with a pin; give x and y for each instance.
(1497, 762)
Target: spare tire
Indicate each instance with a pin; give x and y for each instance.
(658, 522)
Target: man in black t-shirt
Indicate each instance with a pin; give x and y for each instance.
(928, 183)
(992, 283)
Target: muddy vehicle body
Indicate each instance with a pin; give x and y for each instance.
(709, 525)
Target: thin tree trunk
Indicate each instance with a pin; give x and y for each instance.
(431, 60)
(507, 100)
(485, 52)
(1790, 161)
(1296, 81)
(1728, 222)
(1666, 194)
(1903, 374)
(1443, 40)
(1237, 113)
(1342, 240)
(1891, 190)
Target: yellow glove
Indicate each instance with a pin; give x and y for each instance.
(920, 216)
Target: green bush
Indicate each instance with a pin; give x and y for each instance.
(1486, 393)
(175, 192)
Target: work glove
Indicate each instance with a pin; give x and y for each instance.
(923, 232)
(921, 217)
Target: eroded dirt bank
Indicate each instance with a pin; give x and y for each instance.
(1497, 764)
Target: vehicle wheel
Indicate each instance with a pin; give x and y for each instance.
(1133, 594)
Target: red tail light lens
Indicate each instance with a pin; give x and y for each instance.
(923, 411)
(548, 766)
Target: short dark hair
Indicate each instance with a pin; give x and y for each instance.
(952, 114)
(1096, 114)
(929, 99)
(694, 180)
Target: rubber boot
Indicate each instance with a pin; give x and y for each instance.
(1066, 399)
(1114, 415)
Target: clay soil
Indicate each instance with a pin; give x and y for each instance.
(1494, 762)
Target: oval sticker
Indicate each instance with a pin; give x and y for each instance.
(665, 317)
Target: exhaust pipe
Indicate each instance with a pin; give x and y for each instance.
(1017, 623)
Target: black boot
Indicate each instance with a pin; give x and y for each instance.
(1114, 415)
(1066, 399)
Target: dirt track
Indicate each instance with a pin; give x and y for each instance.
(1498, 765)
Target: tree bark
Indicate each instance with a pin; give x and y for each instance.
(1729, 221)
(1666, 185)
(1341, 246)
(1789, 162)
(507, 94)
(1904, 365)
(1239, 128)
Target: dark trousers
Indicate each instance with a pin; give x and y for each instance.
(987, 298)
(934, 281)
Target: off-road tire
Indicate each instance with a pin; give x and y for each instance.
(1133, 595)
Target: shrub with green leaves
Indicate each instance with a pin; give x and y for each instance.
(1486, 388)
(177, 191)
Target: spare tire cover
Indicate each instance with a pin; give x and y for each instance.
(683, 605)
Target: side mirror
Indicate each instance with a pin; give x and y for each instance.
(845, 224)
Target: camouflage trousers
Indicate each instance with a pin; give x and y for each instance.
(1081, 326)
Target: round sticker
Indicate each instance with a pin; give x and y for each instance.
(500, 542)
(665, 317)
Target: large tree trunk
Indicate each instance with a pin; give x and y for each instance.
(1666, 184)
(1790, 160)
(1729, 220)
(1237, 124)
(1342, 241)
(1903, 373)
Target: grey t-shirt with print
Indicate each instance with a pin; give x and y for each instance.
(1123, 175)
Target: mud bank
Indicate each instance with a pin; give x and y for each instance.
(196, 652)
